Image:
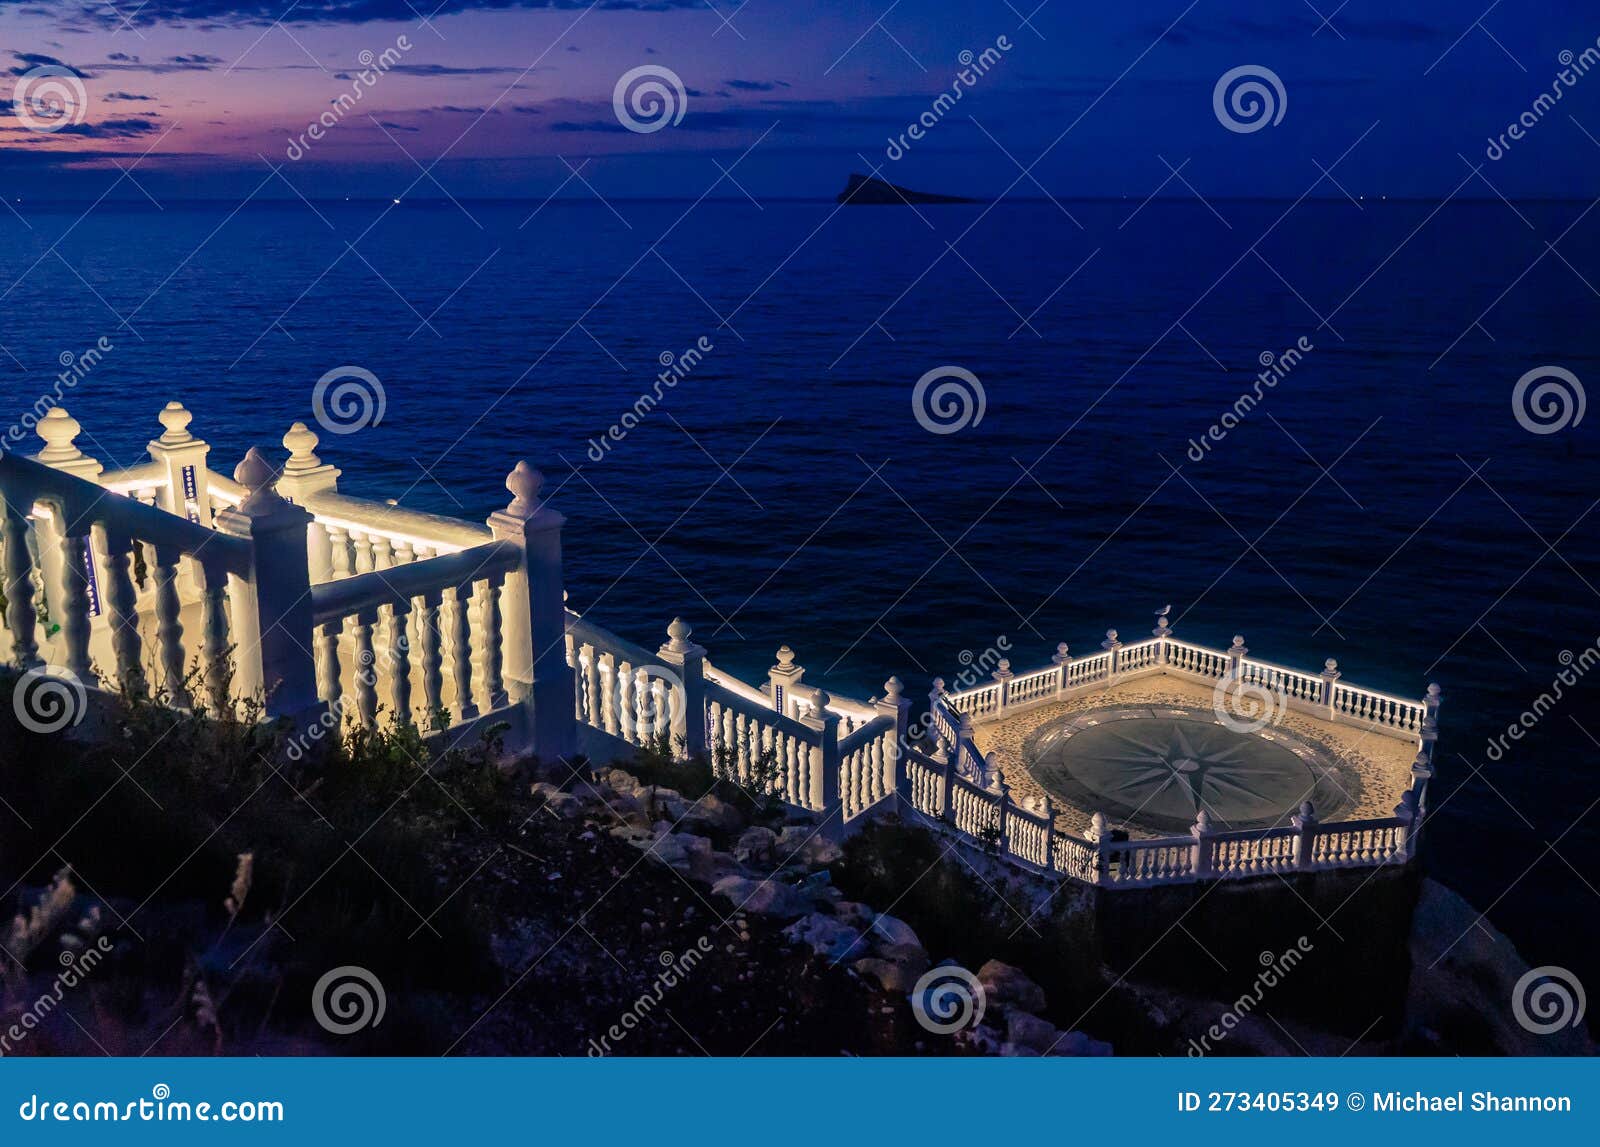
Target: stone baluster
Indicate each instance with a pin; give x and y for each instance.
(339, 560)
(366, 668)
(400, 662)
(432, 653)
(1002, 815)
(1049, 834)
(608, 693)
(169, 626)
(1063, 661)
(272, 611)
(122, 607)
(1305, 825)
(536, 614)
(382, 553)
(947, 782)
(782, 679)
(1100, 837)
(216, 670)
(362, 544)
(77, 592)
(687, 660)
(21, 619)
(490, 630)
(626, 711)
(329, 688)
(459, 604)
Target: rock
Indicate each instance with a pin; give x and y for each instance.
(805, 844)
(621, 781)
(756, 847)
(761, 897)
(889, 975)
(854, 913)
(1008, 987)
(710, 814)
(564, 805)
(890, 932)
(825, 936)
(683, 852)
(1029, 1031)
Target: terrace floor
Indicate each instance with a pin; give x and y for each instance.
(1381, 764)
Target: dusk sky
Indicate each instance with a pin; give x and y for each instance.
(500, 96)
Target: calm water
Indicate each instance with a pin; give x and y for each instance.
(843, 528)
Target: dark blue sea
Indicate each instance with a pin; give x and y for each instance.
(1381, 505)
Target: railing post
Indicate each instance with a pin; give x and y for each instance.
(783, 677)
(1162, 633)
(947, 780)
(1305, 825)
(1330, 678)
(1100, 836)
(1114, 647)
(272, 611)
(183, 457)
(1049, 834)
(66, 559)
(895, 705)
(825, 766)
(535, 615)
(1406, 812)
(1002, 676)
(1062, 659)
(935, 695)
(1430, 720)
(303, 475)
(688, 660)
(1236, 655)
(1002, 814)
(1201, 861)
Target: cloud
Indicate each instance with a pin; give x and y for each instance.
(27, 61)
(127, 97)
(243, 13)
(756, 85)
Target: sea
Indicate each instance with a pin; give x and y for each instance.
(903, 441)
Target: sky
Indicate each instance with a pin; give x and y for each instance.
(506, 98)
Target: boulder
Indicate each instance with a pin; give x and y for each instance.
(761, 897)
(803, 843)
(854, 913)
(1029, 1031)
(756, 847)
(1009, 987)
(620, 781)
(825, 936)
(890, 932)
(888, 975)
(711, 814)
